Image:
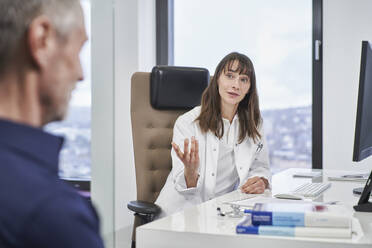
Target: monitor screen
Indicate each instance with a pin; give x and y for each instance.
(363, 126)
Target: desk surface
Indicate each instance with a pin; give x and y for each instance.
(199, 226)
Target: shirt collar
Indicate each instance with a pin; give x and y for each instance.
(236, 117)
(33, 141)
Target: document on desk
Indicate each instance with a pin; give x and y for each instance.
(311, 174)
(361, 177)
(261, 199)
(237, 195)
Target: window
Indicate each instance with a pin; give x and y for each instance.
(75, 157)
(278, 37)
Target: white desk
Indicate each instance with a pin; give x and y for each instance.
(200, 226)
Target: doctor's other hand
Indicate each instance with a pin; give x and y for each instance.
(255, 185)
(190, 160)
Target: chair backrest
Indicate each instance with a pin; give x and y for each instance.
(155, 106)
(157, 99)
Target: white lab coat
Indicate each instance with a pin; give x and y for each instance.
(251, 159)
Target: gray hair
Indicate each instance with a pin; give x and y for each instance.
(17, 15)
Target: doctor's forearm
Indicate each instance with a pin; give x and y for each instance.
(191, 179)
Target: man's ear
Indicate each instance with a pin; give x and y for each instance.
(41, 40)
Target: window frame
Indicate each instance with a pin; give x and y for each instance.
(317, 105)
(164, 32)
(165, 56)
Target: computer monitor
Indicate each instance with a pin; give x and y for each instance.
(363, 126)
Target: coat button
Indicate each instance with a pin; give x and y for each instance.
(241, 168)
(212, 174)
(214, 149)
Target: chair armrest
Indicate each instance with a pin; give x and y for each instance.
(145, 208)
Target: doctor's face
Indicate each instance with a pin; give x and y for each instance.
(233, 86)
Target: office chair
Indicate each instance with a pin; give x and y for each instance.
(157, 99)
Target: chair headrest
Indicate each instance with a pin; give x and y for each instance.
(174, 87)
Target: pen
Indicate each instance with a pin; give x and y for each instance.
(259, 147)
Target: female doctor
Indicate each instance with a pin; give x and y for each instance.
(223, 143)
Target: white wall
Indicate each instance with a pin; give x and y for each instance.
(146, 35)
(134, 51)
(345, 24)
(102, 185)
(126, 62)
(123, 42)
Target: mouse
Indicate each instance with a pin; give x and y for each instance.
(289, 196)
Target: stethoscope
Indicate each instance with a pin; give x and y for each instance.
(236, 211)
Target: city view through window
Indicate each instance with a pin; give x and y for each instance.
(277, 36)
(75, 158)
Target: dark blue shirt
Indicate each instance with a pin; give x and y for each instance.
(37, 209)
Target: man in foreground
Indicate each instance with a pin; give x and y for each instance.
(40, 42)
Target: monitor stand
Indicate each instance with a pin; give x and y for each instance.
(363, 204)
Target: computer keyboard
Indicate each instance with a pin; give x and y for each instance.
(311, 189)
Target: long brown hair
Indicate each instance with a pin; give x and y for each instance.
(210, 118)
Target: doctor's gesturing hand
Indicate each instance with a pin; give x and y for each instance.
(190, 160)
